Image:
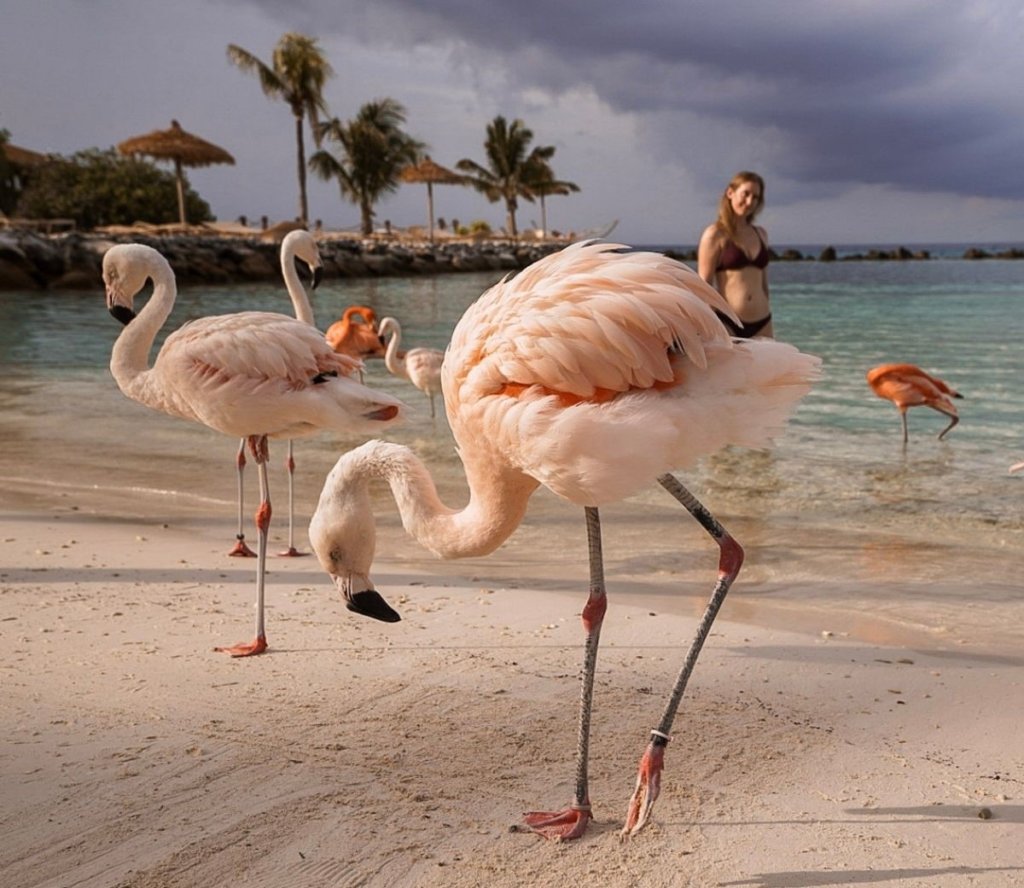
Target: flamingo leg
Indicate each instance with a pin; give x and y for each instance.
(903, 417)
(258, 446)
(241, 550)
(572, 822)
(648, 781)
(953, 420)
(291, 551)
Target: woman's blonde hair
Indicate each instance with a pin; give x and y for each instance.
(726, 216)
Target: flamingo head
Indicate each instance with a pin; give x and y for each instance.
(126, 268)
(343, 535)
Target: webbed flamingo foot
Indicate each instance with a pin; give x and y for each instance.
(648, 786)
(291, 552)
(245, 648)
(561, 826)
(241, 550)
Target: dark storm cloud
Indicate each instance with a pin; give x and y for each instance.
(913, 95)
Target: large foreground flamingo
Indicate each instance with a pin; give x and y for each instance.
(907, 385)
(421, 366)
(355, 333)
(593, 372)
(298, 244)
(252, 375)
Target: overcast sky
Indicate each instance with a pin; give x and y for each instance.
(884, 121)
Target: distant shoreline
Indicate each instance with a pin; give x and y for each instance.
(31, 260)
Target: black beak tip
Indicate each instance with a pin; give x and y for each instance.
(124, 314)
(369, 603)
(318, 275)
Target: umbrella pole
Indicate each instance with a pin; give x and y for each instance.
(430, 210)
(181, 189)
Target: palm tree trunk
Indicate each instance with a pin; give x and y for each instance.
(300, 144)
(367, 213)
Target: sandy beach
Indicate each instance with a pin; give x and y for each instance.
(356, 753)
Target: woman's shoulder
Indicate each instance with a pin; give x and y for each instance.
(713, 234)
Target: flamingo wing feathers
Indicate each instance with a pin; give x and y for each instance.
(575, 323)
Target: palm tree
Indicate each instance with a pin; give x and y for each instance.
(373, 151)
(509, 166)
(297, 74)
(541, 182)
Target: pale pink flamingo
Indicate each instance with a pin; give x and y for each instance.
(421, 366)
(907, 385)
(298, 244)
(252, 375)
(593, 372)
(356, 334)
(1016, 467)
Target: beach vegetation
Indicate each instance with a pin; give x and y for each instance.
(372, 149)
(100, 187)
(510, 166)
(296, 74)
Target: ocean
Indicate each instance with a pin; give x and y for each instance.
(846, 530)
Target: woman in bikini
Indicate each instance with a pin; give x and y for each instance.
(733, 256)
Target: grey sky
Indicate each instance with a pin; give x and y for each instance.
(893, 121)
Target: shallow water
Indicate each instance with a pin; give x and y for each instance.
(845, 529)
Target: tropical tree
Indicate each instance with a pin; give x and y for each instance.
(510, 166)
(297, 74)
(372, 151)
(542, 183)
(100, 187)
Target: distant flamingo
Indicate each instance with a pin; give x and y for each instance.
(907, 385)
(1016, 467)
(355, 333)
(591, 372)
(421, 366)
(298, 244)
(253, 374)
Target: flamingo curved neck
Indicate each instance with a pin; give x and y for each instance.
(395, 366)
(129, 358)
(497, 500)
(297, 292)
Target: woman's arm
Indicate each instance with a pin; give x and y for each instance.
(708, 251)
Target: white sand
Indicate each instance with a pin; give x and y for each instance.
(355, 753)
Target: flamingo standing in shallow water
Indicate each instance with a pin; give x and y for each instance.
(421, 366)
(907, 385)
(592, 372)
(298, 244)
(252, 375)
(355, 334)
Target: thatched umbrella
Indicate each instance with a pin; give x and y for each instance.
(433, 174)
(179, 146)
(22, 156)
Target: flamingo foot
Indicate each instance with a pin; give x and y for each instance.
(245, 648)
(648, 785)
(559, 825)
(291, 552)
(241, 550)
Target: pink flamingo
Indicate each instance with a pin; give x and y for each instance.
(907, 385)
(421, 366)
(254, 375)
(355, 333)
(298, 244)
(592, 372)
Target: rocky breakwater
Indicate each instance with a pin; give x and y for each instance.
(32, 261)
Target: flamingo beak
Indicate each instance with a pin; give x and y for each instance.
(369, 602)
(123, 313)
(318, 275)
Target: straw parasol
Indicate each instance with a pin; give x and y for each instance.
(180, 146)
(433, 174)
(22, 156)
